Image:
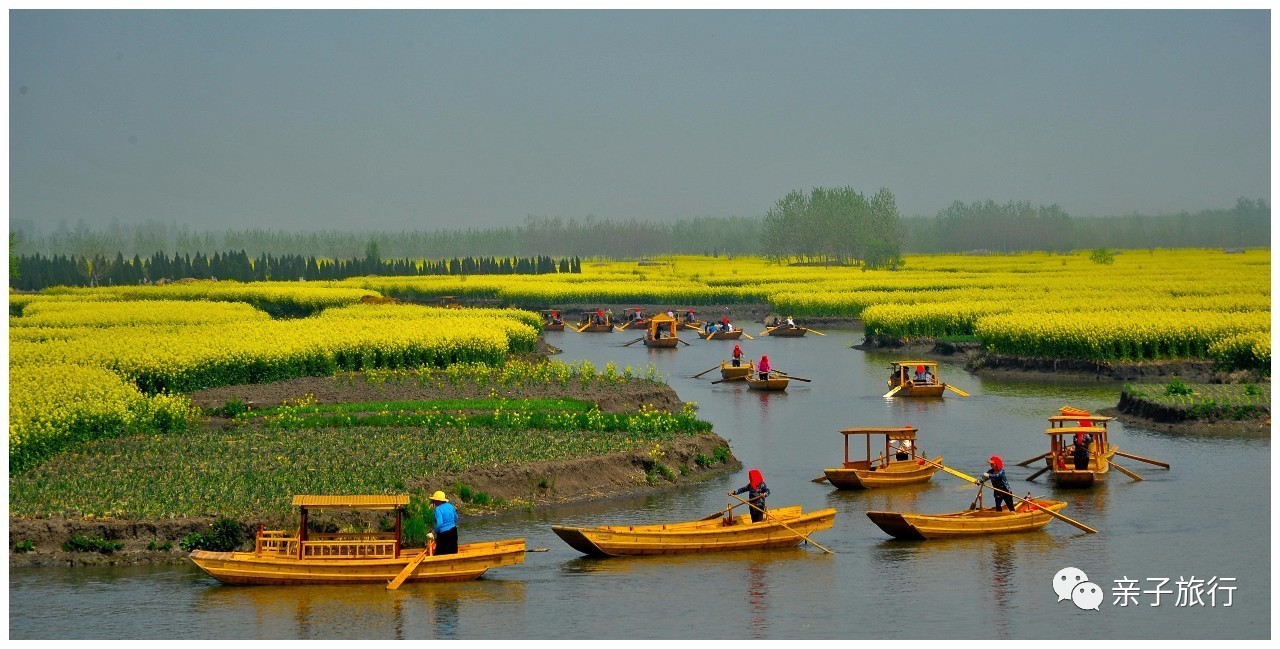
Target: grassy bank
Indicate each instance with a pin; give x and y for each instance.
(253, 463)
(1177, 401)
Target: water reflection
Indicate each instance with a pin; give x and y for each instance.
(353, 611)
(758, 598)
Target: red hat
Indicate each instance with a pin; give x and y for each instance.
(736, 348)
(764, 358)
(995, 460)
(755, 478)
(724, 319)
(920, 369)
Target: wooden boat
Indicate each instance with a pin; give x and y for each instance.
(639, 321)
(590, 326)
(972, 522)
(728, 371)
(786, 332)
(1061, 458)
(904, 384)
(771, 384)
(661, 332)
(897, 465)
(715, 535)
(551, 320)
(304, 557)
(721, 335)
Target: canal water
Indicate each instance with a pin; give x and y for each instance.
(1188, 550)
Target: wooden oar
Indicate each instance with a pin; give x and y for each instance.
(1033, 476)
(723, 512)
(1019, 498)
(955, 390)
(736, 378)
(747, 336)
(681, 341)
(1142, 459)
(767, 330)
(894, 391)
(633, 342)
(409, 567)
(775, 519)
(816, 331)
(583, 327)
(820, 479)
(704, 372)
(1026, 462)
(797, 378)
(1131, 474)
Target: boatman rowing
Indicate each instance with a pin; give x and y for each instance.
(445, 531)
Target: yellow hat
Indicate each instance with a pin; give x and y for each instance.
(439, 497)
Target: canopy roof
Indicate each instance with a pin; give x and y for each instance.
(905, 432)
(1075, 429)
(928, 363)
(352, 502)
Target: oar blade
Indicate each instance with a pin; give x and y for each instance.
(1033, 476)
(956, 390)
(1131, 474)
(1029, 461)
(747, 336)
(892, 392)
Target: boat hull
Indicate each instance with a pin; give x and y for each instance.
(553, 327)
(911, 390)
(722, 335)
(767, 385)
(728, 371)
(1068, 477)
(966, 523)
(661, 343)
(715, 535)
(893, 474)
(634, 324)
(596, 329)
(471, 561)
(788, 332)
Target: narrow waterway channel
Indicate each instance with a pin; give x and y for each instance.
(1205, 523)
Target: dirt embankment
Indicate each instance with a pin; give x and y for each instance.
(533, 484)
(980, 361)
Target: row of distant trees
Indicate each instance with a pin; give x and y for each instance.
(35, 272)
(838, 225)
(825, 224)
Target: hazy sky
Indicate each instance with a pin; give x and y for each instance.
(431, 118)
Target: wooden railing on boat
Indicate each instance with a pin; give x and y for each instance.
(349, 545)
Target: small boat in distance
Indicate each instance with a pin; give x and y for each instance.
(306, 557)
(781, 528)
(552, 321)
(924, 383)
(897, 464)
(973, 522)
(595, 322)
(634, 319)
(661, 332)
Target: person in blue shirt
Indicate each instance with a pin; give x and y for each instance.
(445, 530)
(756, 492)
(1080, 451)
(999, 482)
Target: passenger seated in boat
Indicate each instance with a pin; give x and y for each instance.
(775, 322)
(927, 377)
(791, 324)
(764, 368)
(445, 530)
(1080, 451)
(756, 492)
(710, 328)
